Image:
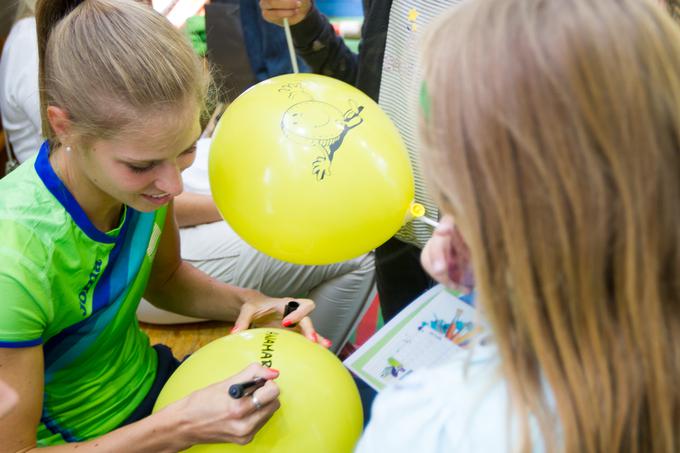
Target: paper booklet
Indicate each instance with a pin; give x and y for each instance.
(437, 327)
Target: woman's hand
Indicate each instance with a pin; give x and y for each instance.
(210, 415)
(275, 11)
(446, 257)
(262, 310)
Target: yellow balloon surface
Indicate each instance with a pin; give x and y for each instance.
(310, 170)
(320, 406)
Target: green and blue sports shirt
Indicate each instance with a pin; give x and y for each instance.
(74, 289)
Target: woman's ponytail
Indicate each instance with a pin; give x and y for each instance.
(48, 13)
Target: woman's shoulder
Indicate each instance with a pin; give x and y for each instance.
(28, 211)
(461, 405)
(22, 190)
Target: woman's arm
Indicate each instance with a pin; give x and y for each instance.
(176, 286)
(21, 369)
(205, 416)
(193, 209)
(8, 399)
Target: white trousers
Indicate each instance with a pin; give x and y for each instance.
(340, 291)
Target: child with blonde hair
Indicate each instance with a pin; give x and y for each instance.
(551, 136)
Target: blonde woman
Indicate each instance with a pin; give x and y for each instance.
(88, 227)
(552, 137)
(207, 242)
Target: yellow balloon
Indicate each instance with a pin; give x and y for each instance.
(320, 406)
(308, 169)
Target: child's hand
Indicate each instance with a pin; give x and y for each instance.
(275, 11)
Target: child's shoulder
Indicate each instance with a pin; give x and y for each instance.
(460, 405)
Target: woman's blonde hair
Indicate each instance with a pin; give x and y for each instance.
(113, 63)
(551, 132)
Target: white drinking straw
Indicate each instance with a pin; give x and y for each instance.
(427, 221)
(417, 212)
(291, 49)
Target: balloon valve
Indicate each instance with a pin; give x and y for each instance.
(417, 212)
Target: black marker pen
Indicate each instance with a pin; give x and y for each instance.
(290, 308)
(236, 391)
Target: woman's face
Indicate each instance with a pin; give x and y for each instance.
(142, 169)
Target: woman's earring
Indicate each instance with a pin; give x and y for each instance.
(68, 149)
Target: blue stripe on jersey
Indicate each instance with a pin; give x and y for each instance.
(125, 259)
(61, 193)
(63, 348)
(109, 294)
(20, 344)
(54, 427)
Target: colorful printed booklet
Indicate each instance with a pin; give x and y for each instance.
(438, 326)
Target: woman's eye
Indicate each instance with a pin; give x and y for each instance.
(139, 169)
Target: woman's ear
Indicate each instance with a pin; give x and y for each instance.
(60, 122)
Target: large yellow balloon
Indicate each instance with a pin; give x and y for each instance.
(320, 406)
(310, 170)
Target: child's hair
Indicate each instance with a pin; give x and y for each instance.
(673, 8)
(111, 64)
(551, 132)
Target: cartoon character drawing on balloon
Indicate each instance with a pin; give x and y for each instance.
(318, 124)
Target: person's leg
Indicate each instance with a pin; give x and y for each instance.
(213, 248)
(399, 276)
(340, 300)
(148, 313)
(339, 290)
